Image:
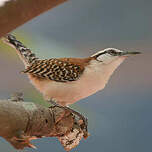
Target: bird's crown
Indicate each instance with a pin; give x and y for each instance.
(110, 51)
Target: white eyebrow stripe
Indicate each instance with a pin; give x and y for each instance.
(98, 53)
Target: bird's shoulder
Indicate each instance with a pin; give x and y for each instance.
(58, 69)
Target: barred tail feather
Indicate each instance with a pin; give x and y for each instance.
(24, 53)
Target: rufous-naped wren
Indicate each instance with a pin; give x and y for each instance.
(67, 80)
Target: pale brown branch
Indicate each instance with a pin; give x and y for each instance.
(21, 122)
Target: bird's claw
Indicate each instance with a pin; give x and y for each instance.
(84, 124)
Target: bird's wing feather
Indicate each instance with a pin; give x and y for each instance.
(61, 70)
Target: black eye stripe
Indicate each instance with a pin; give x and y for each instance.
(110, 52)
(101, 53)
(114, 53)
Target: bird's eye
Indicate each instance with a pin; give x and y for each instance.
(112, 52)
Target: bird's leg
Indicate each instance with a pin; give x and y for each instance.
(84, 125)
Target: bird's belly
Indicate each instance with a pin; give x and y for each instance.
(66, 93)
(93, 79)
(70, 92)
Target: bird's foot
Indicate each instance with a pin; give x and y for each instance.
(84, 124)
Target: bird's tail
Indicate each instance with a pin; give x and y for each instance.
(24, 53)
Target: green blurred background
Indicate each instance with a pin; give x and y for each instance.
(120, 115)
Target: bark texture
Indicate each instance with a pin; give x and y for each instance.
(21, 122)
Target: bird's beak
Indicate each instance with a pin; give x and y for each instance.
(128, 53)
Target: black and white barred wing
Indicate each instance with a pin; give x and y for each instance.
(55, 69)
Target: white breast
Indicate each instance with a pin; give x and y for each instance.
(93, 79)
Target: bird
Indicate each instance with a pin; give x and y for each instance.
(68, 80)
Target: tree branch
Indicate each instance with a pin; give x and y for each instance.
(16, 12)
(21, 122)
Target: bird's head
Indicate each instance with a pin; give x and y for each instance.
(109, 55)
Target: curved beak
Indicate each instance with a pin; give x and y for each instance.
(128, 53)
